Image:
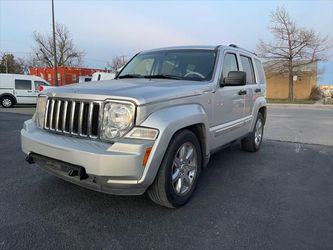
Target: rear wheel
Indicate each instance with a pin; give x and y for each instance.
(7, 101)
(179, 171)
(253, 141)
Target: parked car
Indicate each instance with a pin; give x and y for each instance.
(84, 79)
(20, 89)
(155, 126)
(100, 76)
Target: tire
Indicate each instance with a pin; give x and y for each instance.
(7, 101)
(253, 141)
(176, 179)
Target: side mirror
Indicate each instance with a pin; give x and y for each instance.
(234, 78)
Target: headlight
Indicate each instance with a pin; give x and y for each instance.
(39, 115)
(118, 119)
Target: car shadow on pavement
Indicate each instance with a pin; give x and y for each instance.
(275, 198)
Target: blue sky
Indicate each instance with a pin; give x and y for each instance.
(104, 29)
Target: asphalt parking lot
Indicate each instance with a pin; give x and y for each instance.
(278, 198)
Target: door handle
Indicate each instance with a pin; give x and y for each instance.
(257, 90)
(30, 91)
(242, 92)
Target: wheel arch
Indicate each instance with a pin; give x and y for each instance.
(10, 95)
(263, 111)
(171, 120)
(200, 131)
(260, 106)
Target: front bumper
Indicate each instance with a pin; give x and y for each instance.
(111, 168)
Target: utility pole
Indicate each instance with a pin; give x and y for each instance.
(55, 64)
(123, 59)
(6, 63)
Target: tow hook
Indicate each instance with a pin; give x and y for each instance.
(73, 172)
(81, 172)
(29, 159)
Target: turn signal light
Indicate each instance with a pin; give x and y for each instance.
(146, 156)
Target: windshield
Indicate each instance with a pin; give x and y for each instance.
(194, 65)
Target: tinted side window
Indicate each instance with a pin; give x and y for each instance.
(229, 64)
(248, 68)
(23, 84)
(260, 70)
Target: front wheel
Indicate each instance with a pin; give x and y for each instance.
(253, 141)
(179, 171)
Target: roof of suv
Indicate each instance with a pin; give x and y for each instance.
(208, 47)
(205, 47)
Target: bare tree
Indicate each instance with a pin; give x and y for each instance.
(67, 53)
(293, 47)
(117, 62)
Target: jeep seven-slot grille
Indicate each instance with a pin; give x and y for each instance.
(73, 117)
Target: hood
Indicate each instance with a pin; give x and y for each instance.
(141, 91)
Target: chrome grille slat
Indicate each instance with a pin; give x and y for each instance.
(46, 113)
(81, 118)
(51, 114)
(64, 116)
(57, 115)
(71, 122)
(79, 130)
(90, 114)
(100, 117)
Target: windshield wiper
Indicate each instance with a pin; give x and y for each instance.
(164, 77)
(130, 76)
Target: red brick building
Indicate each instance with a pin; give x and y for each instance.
(66, 75)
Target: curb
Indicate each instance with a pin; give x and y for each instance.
(288, 105)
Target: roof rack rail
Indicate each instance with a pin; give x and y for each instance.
(235, 46)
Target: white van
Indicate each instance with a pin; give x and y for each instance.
(20, 89)
(99, 76)
(84, 79)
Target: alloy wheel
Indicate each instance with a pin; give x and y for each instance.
(184, 169)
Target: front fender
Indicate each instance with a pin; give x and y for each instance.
(168, 121)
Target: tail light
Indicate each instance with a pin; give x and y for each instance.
(40, 88)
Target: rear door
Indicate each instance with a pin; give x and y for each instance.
(251, 85)
(25, 91)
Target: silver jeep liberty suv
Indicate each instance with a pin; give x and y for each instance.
(154, 127)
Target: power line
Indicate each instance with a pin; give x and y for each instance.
(16, 52)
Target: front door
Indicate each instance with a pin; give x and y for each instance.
(229, 105)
